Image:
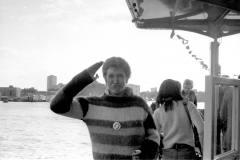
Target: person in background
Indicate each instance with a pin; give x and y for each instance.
(172, 120)
(188, 94)
(153, 106)
(119, 122)
(187, 91)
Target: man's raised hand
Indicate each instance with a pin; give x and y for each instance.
(93, 69)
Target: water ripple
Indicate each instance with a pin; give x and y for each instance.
(31, 131)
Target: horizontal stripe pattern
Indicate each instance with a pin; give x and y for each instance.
(103, 112)
(132, 140)
(98, 156)
(122, 131)
(116, 114)
(114, 149)
(109, 124)
(118, 102)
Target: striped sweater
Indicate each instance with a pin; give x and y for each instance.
(117, 125)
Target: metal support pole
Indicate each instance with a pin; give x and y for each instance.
(214, 58)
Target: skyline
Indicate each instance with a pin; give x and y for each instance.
(64, 37)
(57, 83)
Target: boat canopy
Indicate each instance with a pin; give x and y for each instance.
(212, 18)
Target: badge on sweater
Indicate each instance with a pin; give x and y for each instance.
(116, 125)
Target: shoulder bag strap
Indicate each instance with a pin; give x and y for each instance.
(187, 111)
(188, 114)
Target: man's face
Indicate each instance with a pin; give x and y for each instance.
(187, 88)
(116, 80)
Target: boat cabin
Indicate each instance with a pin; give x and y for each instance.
(214, 19)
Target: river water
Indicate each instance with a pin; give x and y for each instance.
(31, 131)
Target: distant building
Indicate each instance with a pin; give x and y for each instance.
(51, 93)
(42, 93)
(51, 82)
(11, 92)
(136, 89)
(28, 91)
(154, 89)
(60, 86)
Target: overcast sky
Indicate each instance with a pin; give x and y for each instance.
(63, 37)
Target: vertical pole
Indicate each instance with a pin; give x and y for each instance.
(210, 97)
(214, 58)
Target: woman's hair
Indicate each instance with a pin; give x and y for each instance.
(116, 62)
(170, 90)
(188, 82)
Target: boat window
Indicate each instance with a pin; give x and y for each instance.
(224, 107)
(233, 15)
(163, 8)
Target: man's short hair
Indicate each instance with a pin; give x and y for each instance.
(116, 62)
(188, 82)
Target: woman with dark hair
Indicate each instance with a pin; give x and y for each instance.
(172, 120)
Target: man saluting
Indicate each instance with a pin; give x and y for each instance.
(119, 122)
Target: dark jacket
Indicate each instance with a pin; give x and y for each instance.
(192, 97)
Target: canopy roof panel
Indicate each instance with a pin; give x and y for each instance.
(212, 18)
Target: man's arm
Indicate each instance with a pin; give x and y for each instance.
(63, 102)
(150, 147)
(197, 121)
(195, 100)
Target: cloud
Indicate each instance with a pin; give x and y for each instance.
(75, 12)
(29, 38)
(3, 52)
(6, 52)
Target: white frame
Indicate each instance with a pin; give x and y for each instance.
(210, 117)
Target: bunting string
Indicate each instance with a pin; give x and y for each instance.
(190, 52)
